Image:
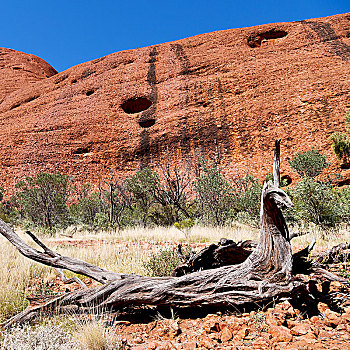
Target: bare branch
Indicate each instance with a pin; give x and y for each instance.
(276, 164)
(53, 259)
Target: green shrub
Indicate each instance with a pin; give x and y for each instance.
(215, 194)
(43, 199)
(341, 143)
(316, 202)
(309, 163)
(185, 226)
(141, 187)
(341, 146)
(163, 262)
(247, 199)
(85, 209)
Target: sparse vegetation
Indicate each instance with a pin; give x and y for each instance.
(341, 142)
(163, 263)
(309, 163)
(43, 199)
(50, 336)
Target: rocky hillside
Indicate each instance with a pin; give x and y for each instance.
(235, 91)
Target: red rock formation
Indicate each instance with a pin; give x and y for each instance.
(236, 90)
(17, 69)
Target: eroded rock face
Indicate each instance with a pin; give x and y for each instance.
(236, 90)
(18, 69)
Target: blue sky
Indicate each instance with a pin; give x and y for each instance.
(69, 32)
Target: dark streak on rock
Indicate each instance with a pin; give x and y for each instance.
(185, 132)
(149, 114)
(225, 130)
(144, 149)
(182, 57)
(328, 36)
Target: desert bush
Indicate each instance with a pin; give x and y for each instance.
(94, 336)
(163, 263)
(85, 209)
(215, 194)
(247, 199)
(316, 202)
(309, 163)
(341, 143)
(185, 226)
(43, 199)
(141, 187)
(344, 207)
(341, 146)
(221, 200)
(173, 192)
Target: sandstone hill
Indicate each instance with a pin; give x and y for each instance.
(235, 91)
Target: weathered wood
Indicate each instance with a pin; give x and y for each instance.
(276, 163)
(53, 259)
(338, 253)
(225, 253)
(265, 274)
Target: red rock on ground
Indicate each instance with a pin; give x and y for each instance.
(235, 90)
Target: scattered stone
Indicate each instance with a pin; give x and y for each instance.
(189, 345)
(152, 345)
(281, 333)
(301, 329)
(332, 318)
(322, 307)
(206, 342)
(241, 334)
(226, 335)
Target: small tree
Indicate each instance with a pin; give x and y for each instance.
(119, 200)
(309, 163)
(215, 194)
(341, 146)
(172, 191)
(86, 206)
(341, 142)
(316, 202)
(43, 199)
(247, 198)
(141, 187)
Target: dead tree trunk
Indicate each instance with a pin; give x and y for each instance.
(266, 273)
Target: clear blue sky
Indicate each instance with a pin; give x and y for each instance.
(69, 32)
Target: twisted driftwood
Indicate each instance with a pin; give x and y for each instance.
(266, 273)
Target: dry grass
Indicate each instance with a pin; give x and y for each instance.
(324, 239)
(49, 336)
(16, 273)
(197, 234)
(94, 336)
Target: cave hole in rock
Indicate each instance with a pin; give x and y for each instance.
(255, 40)
(147, 123)
(82, 150)
(136, 105)
(286, 180)
(89, 92)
